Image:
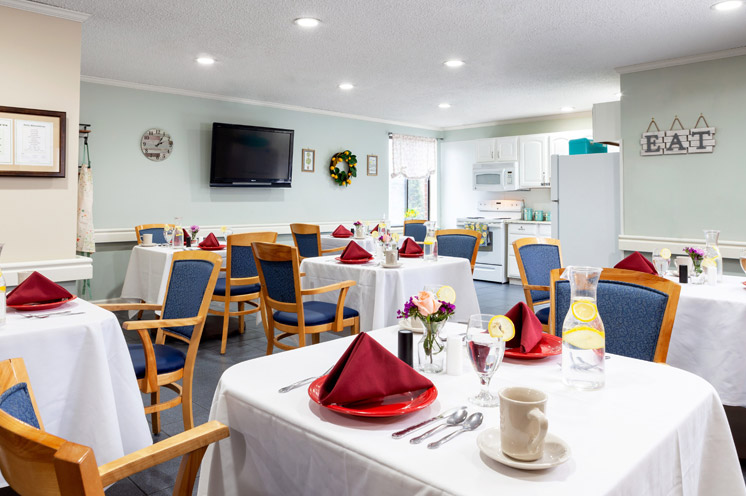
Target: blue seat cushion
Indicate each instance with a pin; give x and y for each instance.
(543, 315)
(235, 290)
(315, 313)
(16, 401)
(167, 359)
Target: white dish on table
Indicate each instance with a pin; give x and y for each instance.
(556, 451)
(391, 266)
(412, 324)
(148, 245)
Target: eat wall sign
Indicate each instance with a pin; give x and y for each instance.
(679, 141)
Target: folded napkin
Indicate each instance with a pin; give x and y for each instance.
(410, 247)
(637, 262)
(342, 232)
(528, 331)
(210, 241)
(375, 228)
(37, 289)
(368, 371)
(354, 251)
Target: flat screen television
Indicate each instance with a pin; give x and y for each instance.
(251, 156)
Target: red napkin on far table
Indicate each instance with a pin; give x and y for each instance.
(375, 228)
(210, 241)
(410, 247)
(528, 329)
(342, 232)
(369, 371)
(354, 251)
(637, 262)
(37, 289)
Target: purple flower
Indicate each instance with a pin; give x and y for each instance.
(696, 254)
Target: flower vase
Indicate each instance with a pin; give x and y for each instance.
(697, 276)
(431, 349)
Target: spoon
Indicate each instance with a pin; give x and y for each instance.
(453, 420)
(474, 421)
(402, 433)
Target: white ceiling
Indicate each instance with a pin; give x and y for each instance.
(523, 58)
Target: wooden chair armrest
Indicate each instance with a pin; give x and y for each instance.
(326, 289)
(178, 445)
(223, 269)
(244, 281)
(536, 288)
(302, 274)
(115, 307)
(134, 325)
(333, 250)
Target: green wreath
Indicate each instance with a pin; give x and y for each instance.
(342, 177)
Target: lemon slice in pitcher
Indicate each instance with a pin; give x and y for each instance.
(585, 338)
(665, 253)
(501, 327)
(447, 294)
(584, 311)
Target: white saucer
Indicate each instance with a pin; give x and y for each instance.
(556, 451)
(392, 266)
(149, 245)
(418, 327)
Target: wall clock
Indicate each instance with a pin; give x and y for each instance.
(156, 144)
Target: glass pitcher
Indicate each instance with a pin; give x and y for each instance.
(712, 252)
(430, 246)
(583, 336)
(178, 233)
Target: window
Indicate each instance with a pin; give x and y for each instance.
(413, 181)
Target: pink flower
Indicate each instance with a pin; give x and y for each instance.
(426, 304)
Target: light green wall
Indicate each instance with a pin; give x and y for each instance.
(520, 128)
(680, 195)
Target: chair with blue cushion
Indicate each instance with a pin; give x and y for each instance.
(155, 229)
(188, 292)
(462, 243)
(241, 282)
(307, 238)
(34, 462)
(416, 229)
(637, 310)
(282, 299)
(536, 258)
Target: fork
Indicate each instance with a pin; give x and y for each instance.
(303, 382)
(44, 316)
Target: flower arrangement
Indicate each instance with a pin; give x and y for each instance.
(358, 223)
(384, 238)
(432, 312)
(697, 255)
(410, 214)
(194, 230)
(341, 177)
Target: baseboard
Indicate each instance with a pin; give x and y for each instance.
(728, 249)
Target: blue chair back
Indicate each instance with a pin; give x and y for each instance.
(279, 280)
(538, 262)
(417, 231)
(186, 289)
(456, 245)
(308, 245)
(242, 262)
(16, 402)
(157, 232)
(632, 316)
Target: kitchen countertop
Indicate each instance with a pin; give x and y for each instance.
(528, 222)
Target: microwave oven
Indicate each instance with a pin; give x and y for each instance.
(498, 176)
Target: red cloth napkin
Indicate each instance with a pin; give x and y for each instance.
(637, 262)
(37, 289)
(369, 371)
(354, 251)
(210, 241)
(342, 232)
(410, 247)
(528, 331)
(374, 229)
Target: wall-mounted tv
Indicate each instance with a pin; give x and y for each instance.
(251, 156)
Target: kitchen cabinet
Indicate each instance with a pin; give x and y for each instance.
(486, 150)
(523, 230)
(533, 152)
(497, 149)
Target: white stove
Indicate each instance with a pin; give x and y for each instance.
(492, 256)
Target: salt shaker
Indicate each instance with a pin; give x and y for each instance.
(454, 355)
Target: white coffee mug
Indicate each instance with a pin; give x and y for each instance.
(147, 239)
(523, 422)
(686, 260)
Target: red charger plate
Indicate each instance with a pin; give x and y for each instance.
(390, 406)
(410, 255)
(548, 346)
(341, 236)
(355, 261)
(212, 248)
(42, 306)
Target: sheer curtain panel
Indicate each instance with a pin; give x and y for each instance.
(413, 157)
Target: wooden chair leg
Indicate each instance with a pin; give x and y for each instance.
(226, 321)
(188, 469)
(355, 327)
(155, 417)
(186, 403)
(241, 317)
(139, 314)
(301, 339)
(315, 338)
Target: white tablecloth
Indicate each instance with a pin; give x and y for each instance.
(328, 242)
(380, 292)
(653, 430)
(709, 336)
(82, 376)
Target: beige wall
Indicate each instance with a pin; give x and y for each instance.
(40, 70)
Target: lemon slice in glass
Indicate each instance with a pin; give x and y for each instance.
(665, 253)
(584, 311)
(447, 294)
(501, 327)
(585, 338)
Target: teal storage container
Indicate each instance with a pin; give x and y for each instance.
(583, 146)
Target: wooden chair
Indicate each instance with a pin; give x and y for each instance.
(637, 310)
(307, 238)
(282, 299)
(190, 285)
(35, 462)
(241, 282)
(462, 243)
(536, 257)
(415, 228)
(155, 229)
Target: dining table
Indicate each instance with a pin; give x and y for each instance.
(329, 242)
(379, 291)
(653, 429)
(81, 375)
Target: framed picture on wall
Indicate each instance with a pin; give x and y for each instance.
(32, 142)
(309, 160)
(372, 165)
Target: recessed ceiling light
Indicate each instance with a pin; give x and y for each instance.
(205, 60)
(727, 5)
(453, 63)
(618, 94)
(567, 109)
(346, 86)
(307, 22)
(444, 105)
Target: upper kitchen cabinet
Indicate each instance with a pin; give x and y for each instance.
(486, 150)
(534, 161)
(498, 149)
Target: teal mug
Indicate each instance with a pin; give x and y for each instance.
(528, 214)
(538, 215)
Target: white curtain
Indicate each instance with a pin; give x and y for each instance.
(413, 157)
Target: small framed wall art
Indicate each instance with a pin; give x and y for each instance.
(372, 165)
(309, 160)
(32, 142)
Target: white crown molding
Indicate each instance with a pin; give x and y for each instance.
(551, 117)
(49, 10)
(627, 242)
(689, 59)
(244, 101)
(67, 269)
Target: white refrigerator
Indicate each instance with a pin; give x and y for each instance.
(586, 201)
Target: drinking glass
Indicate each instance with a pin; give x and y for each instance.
(168, 233)
(743, 259)
(486, 355)
(661, 264)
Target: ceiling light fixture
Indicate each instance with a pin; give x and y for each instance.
(453, 63)
(444, 105)
(567, 109)
(346, 86)
(307, 22)
(205, 60)
(727, 5)
(618, 94)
